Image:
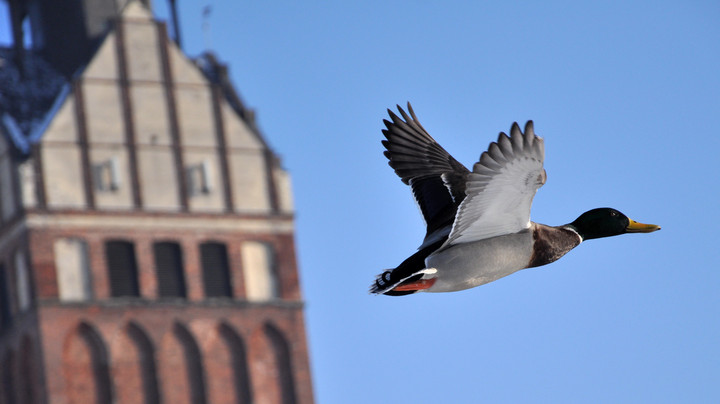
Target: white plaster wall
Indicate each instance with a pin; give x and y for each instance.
(103, 113)
(104, 63)
(284, 190)
(194, 106)
(258, 264)
(183, 70)
(237, 134)
(73, 269)
(150, 114)
(134, 10)
(158, 181)
(62, 128)
(249, 181)
(26, 171)
(215, 200)
(122, 197)
(143, 55)
(63, 176)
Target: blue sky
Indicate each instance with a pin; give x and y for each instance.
(627, 98)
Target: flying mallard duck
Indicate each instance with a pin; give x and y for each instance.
(478, 223)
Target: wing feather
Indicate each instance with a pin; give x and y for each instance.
(501, 187)
(436, 178)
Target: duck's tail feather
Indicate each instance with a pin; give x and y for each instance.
(414, 283)
(382, 282)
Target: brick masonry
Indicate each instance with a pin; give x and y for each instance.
(53, 340)
(66, 368)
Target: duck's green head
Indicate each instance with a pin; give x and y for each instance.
(606, 222)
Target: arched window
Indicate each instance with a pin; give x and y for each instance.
(216, 270)
(122, 268)
(238, 356)
(193, 364)
(258, 261)
(169, 269)
(283, 364)
(73, 269)
(85, 354)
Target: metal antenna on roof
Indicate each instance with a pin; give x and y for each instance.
(207, 10)
(18, 12)
(175, 22)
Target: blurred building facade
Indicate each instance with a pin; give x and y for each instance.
(146, 228)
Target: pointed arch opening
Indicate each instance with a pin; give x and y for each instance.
(283, 363)
(145, 362)
(85, 353)
(195, 374)
(238, 363)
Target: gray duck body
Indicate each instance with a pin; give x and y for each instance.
(467, 265)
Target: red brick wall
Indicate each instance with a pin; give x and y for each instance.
(43, 259)
(66, 368)
(59, 325)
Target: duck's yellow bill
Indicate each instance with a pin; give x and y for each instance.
(635, 227)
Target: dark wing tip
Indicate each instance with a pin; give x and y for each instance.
(405, 116)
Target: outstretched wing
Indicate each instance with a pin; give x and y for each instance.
(436, 178)
(501, 187)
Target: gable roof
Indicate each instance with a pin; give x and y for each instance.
(29, 100)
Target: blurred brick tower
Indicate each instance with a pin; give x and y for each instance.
(146, 227)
